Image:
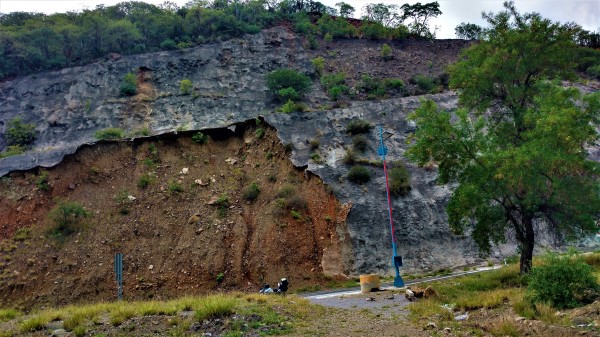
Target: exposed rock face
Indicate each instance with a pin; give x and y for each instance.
(68, 106)
(423, 237)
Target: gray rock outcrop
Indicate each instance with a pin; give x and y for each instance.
(69, 105)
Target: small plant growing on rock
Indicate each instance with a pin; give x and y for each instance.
(259, 133)
(359, 174)
(220, 277)
(357, 126)
(186, 86)
(252, 192)
(19, 133)
(386, 52)
(319, 64)
(12, 150)
(399, 180)
(316, 158)
(128, 86)
(200, 138)
(360, 143)
(109, 134)
(295, 214)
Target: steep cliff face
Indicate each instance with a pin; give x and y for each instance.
(175, 234)
(175, 242)
(69, 105)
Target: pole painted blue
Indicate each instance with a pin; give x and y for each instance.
(119, 274)
(382, 151)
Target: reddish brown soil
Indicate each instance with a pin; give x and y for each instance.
(174, 243)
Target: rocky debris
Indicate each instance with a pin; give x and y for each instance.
(413, 293)
(184, 170)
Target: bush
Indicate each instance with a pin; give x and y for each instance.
(66, 218)
(563, 282)
(12, 150)
(175, 186)
(42, 181)
(594, 71)
(200, 138)
(360, 143)
(109, 133)
(319, 64)
(168, 44)
(386, 52)
(223, 204)
(288, 94)
(357, 126)
(19, 133)
(287, 79)
(252, 192)
(186, 86)
(359, 174)
(145, 180)
(129, 85)
(373, 87)
(399, 180)
(424, 83)
(349, 157)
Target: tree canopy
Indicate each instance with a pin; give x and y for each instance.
(516, 146)
(33, 42)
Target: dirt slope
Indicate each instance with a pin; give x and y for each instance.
(174, 242)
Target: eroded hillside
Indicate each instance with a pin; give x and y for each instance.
(176, 237)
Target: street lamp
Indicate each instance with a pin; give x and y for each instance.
(396, 260)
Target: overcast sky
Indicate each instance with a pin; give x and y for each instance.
(584, 12)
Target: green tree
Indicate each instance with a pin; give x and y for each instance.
(420, 15)
(386, 15)
(524, 161)
(468, 31)
(19, 133)
(346, 10)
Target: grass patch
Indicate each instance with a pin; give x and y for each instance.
(8, 314)
(216, 306)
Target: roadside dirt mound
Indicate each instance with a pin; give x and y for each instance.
(180, 212)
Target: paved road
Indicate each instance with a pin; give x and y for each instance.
(388, 285)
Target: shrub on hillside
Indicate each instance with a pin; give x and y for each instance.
(399, 180)
(424, 83)
(386, 52)
(128, 85)
(359, 174)
(66, 218)
(200, 138)
(360, 143)
(287, 83)
(186, 86)
(563, 282)
(109, 133)
(357, 126)
(251, 192)
(19, 133)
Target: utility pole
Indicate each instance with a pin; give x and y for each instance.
(396, 260)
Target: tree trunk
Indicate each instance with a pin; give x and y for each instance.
(527, 244)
